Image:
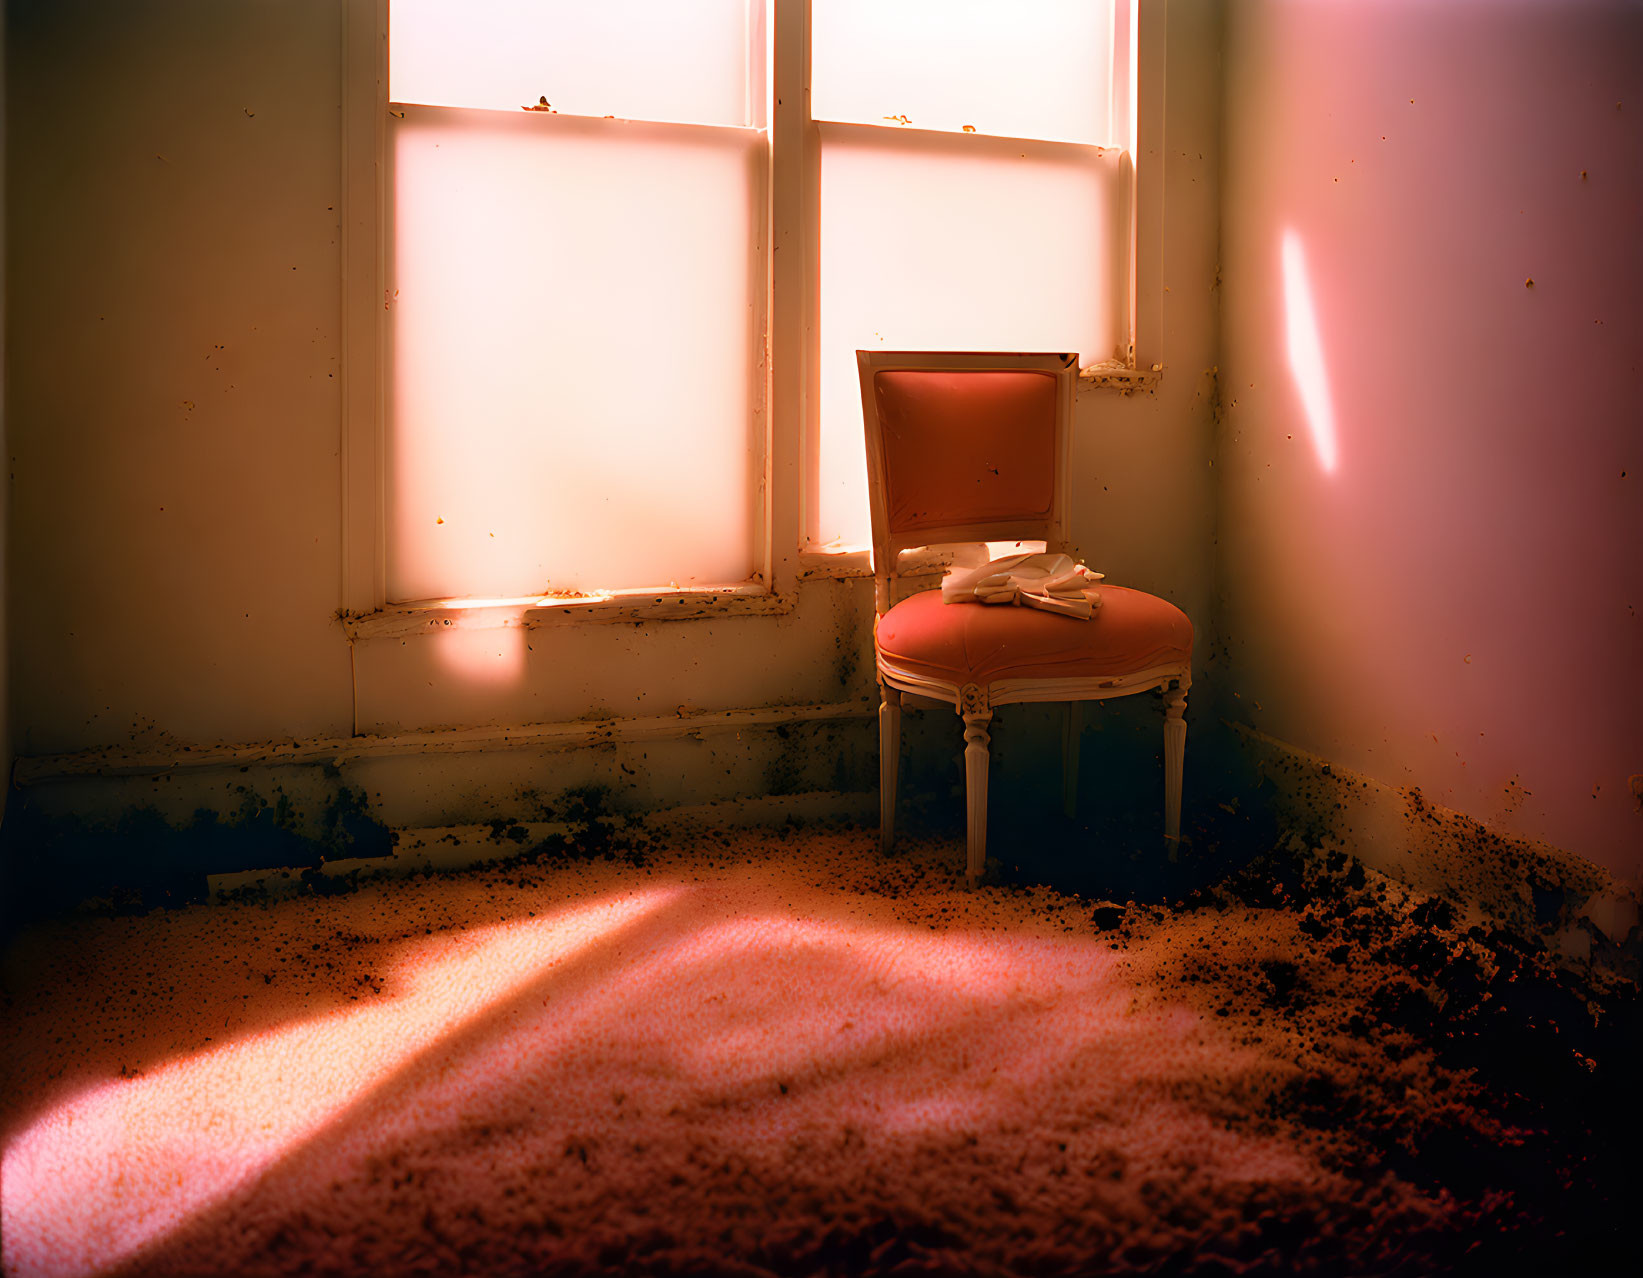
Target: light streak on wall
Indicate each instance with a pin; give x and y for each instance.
(1306, 355)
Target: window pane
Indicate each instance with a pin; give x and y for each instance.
(1027, 68)
(955, 243)
(573, 327)
(640, 59)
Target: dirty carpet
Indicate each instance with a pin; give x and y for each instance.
(785, 1054)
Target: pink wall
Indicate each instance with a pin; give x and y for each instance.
(1455, 603)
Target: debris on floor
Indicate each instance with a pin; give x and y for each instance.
(781, 1053)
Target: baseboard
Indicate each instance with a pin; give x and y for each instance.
(1532, 889)
(170, 759)
(444, 849)
(138, 833)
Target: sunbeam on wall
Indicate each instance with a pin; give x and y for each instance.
(1306, 352)
(484, 655)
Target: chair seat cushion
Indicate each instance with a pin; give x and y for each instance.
(965, 643)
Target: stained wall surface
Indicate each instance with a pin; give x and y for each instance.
(174, 311)
(1431, 453)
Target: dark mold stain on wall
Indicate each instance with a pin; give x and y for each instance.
(142, 861)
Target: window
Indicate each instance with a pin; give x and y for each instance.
(972, 198)
(578, 364)
(575, 292)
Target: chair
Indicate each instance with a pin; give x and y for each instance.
(973, 447)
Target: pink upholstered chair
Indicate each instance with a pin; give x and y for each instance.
(973, 447)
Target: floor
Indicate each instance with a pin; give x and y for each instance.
(781, 1053)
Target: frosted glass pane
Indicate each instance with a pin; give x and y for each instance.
(573, 312)
(1027, 68)
(954, 244)
(641, 59)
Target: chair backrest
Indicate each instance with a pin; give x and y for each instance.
(964, 447)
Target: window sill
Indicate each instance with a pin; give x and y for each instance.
(1120, 377)
(857, 561)
(837, 564)
(604, 607)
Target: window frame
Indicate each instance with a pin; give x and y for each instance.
(789, 362)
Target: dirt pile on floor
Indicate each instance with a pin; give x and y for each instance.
(784, 1054)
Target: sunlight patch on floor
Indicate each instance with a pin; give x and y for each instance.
(96, 1178)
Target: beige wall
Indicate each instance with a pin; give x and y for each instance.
(174, 307)
(1455, 606)
(173, 313)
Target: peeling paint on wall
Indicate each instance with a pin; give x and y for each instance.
(1565, 902)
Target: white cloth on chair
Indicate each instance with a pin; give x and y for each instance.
(1053, 583)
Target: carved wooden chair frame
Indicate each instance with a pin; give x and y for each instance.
(975, 702)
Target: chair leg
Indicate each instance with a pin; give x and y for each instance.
(1072, 726)
(889, 761)
(975, 792)
(1175, 753)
